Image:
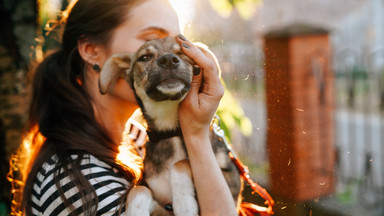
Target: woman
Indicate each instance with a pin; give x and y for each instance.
(75, 169)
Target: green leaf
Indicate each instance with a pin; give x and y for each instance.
(232, 115)
(246, 8)
(246, 126)
(222, 7)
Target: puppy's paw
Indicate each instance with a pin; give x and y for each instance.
(183, 190)
(139, 201)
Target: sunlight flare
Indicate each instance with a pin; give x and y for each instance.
(185, 10)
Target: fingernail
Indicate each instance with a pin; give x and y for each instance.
(182, 37)
(185, 45)
(196, 70)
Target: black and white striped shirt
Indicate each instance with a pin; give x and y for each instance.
(108, 184)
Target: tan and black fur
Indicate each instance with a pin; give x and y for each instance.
(160, 75)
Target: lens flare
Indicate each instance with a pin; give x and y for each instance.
(185, 11)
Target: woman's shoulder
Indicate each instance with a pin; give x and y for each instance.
(108, 184)
(91, 167)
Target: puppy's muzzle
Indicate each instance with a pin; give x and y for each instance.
(170, 80)
(169, 61)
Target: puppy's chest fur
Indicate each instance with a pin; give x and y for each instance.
(160, 158)
(163, 154)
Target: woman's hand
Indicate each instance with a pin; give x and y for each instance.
(195, 115)
(197, 109)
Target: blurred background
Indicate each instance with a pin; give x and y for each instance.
(304, 106)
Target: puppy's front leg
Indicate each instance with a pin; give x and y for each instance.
(140, 203)
(183, 190)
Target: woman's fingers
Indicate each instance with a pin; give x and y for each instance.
(195, 54)
(208, 65)
(201, 55)
(195, 86)
(198, 108)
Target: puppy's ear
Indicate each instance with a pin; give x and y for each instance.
(114, 68)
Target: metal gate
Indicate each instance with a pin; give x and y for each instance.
(359, 124)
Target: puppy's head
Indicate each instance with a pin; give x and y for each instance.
(158, 70)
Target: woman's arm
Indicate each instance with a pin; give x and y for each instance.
(196, 113)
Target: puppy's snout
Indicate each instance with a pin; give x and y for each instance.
(168, 61)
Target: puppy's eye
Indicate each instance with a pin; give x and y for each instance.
(145, 58)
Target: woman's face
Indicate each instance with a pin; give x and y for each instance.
(151, 19)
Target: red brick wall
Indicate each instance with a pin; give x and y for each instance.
(300, 125)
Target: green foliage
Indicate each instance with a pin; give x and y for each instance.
(355, 72)
(347, 196)
(49, 33)
(246, 8)
(232, 115)
(3, 209)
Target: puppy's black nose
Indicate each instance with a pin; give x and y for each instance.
(168, 61)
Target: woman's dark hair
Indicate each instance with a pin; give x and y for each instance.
(61, 109)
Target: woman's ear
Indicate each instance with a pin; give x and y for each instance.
(91, 53)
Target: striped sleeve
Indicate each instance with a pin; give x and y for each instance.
(108, 184)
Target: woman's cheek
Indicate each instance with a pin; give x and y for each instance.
(123, 91)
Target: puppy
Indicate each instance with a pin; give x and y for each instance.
(161, 75)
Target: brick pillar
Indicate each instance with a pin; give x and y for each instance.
(299, 93)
